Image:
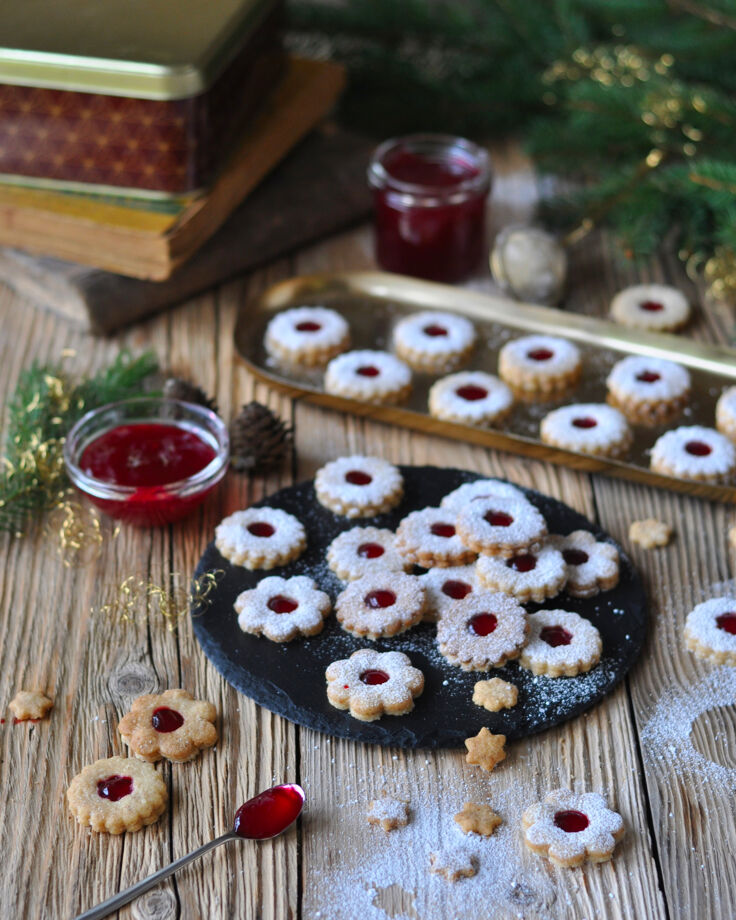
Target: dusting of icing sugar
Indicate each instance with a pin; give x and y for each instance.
(481, 488)
(431, 532)
(538, 575)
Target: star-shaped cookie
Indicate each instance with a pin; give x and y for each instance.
(495, 694)
(485, 749)
(29, 704)
(478, 819)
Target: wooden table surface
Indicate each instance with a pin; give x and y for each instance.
(673, 786)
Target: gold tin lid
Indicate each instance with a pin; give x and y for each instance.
(148, 49)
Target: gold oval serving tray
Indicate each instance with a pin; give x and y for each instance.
(373, 301)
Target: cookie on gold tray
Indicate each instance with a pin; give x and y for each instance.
(648, 390)
(726, 413)
(434, 342)
(587, 428)
(359, 486)
(658, 307)
(696, 453)
(592, 565)
(470, 398)
(482, 631)
(171, 725)
(260, 538)
(501, 526)
(429, 538)
(371, 684)
(369, 376)
(283, 608)
(363, 550)
(309, 336)
(561, 644)
(529, 576)
(117, 794)
(710, 630)
(541, 364)
(381, 604)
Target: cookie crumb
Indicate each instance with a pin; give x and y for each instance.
(650, 533)
(495, 694)
(453, 864)
(478, 819)
(388, 813)
(485, 749)
(30, 704)
(732, 537)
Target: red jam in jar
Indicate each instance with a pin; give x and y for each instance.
(429, 194)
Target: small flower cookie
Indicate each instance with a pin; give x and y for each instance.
(658, 307)
(309, 336)
(117, 794)
(650, 533)
(453, 863)
(587, 428)
(434, 342)
(485, 750)
(359, 486)
(561, 644)
(481, 488)
(482, 631)
(476, 818)
(694, 452)
(371, 684)
(495, 694)
(369, 376)
(429, 538)
(530, 576)
(260, 538)
(540, 364)
(363, 550)
(592, 566)
(710, 630)
(470, 398)
(726, 413)
(501, 526)
(388, 813)
(30, 705)
(444, 586)
(381, 604)
(648, 390)
(171, 725)
(283, 608)
(569, 828)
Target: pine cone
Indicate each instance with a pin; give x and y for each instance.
(177, 388)
(259, 440)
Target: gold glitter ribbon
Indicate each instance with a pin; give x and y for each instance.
(77, 532)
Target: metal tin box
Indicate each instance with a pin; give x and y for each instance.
(143, 95)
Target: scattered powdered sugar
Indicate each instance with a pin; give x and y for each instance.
(388, 812)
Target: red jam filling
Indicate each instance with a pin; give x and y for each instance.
(373, 676)
(523, 563)
(434, 331)
(380, 599)
(457, 590)
(727, 622)
(499, 519)
(555, 635)
(358, 478)
(308, 326)
(165, 720)
(482, 624)
(269, 813)
(651, 306)
(574, 556)
(698, 448)
(585, 422)
(370, 550)
(540, 354)
(368, 370)
(572, 822)
(471, 393)
(443, 530)
(281, 604)
(648, 377)
(114, 787)
(261, 529)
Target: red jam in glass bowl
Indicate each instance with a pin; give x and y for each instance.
(429, 194)
(147, 461)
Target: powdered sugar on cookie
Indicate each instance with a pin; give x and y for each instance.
(434, 342)
(371, 684)
(710, 630)
(592, 566)
(369, 376)
(561, 644)
(529, 576)
(363, 550)
(694, 452)
(260, 538)
(283, 608)
(429, 538)
(482, 631)
(359, 486)
(588, 428)
(470, 397)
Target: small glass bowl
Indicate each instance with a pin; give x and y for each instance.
(154, 505)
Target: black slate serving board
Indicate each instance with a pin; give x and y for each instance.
(288, 678)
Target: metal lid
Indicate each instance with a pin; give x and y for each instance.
(150, 49)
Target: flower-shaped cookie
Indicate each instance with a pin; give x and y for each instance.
(117, 794)
(172, 725)
(592, 565)
(282, 608)
(428, 538)
(561, 644)
(371, 684)
(569, 828)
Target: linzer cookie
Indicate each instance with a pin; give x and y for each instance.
(470, 398)
(171, 725)
(648, 390)
(117, 794)
(309, 336)
(363, 550)
(482, 631)
(260, 538)
(541, 364)
(434, 342)
(726, 413)
(710, 630)
(381, 604)
(481, 488)
(694, 452)
(371, 684)
(569, 829)
(592, 565)
(369, 376)
(429, 538)
(283, 608)
(501, 526)
(658, 307)
(359, 486)
(529, 576)
(588, 428)
(561, 644)
(444, 586)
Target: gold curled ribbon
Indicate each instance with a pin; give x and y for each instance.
(77, 532)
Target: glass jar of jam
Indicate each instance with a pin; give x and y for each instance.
(429, 193)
